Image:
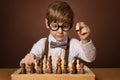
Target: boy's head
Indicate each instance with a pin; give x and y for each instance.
(59, 19)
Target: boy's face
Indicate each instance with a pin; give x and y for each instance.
(58, 30)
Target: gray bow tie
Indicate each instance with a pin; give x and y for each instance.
(61, 45)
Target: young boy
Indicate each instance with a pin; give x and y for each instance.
(59, 20)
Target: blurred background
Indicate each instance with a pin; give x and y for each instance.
(22, 24)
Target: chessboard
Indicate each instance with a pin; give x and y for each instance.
(88, 75)
(44, 71)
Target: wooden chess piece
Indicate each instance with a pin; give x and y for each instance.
(59, 70)
(78, 66)
(82, 71)
(23, 70)
(82, 68)
(70, 66)
(32, 69)
(50, 64)
(44, 64)
(37, 64)
(64, 66)
(41, 68)
(74, 70)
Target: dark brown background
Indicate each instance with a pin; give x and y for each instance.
(22, 24)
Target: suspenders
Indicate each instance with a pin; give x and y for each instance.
(66, 52)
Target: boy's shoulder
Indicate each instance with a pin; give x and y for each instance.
(41, 41)
(74, 40)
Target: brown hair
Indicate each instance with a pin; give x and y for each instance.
(59, 11)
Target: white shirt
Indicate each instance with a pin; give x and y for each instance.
(86, 52)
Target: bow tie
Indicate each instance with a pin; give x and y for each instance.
(61, 45)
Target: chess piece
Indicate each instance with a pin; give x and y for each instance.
(81, 65)
(82, 71)
(23, 70)
(70, 66)
(74, 70)
(49, 64)
(59, 70)
(44, 64)
(64, 66)
(37, 64)
(41, 68)
(82, 68)
(78, 27)
(32, 69)
(78, 66)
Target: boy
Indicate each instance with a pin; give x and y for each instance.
(59, 20)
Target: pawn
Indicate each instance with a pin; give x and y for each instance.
(82, 71)
(81, 65)
(23, 70)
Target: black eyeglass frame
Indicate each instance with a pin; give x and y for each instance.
(59, 27)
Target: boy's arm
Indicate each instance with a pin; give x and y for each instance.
(88, 52)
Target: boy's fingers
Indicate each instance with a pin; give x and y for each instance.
(82, 28)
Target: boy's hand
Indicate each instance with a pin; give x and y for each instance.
(29, 59)
(83, 31)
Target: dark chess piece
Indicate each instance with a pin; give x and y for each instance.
(82, 71)
(31, 68)
(50, 64)
(81, 65)
(65, 69)
(41, 68)
(82, 68)
(59, 70)
(74, 70)
(23, 70)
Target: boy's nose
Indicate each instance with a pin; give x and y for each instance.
(60, 30)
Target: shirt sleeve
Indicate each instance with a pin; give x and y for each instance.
(87, 51)
(38, 48)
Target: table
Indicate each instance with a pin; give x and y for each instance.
(101, 73)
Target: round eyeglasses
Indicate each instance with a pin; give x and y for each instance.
(55, 27)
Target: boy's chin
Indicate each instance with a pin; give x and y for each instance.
(59, 39)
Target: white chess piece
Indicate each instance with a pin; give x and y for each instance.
(44, 64)
(70, 66)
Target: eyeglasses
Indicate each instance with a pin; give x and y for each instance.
(54, 27)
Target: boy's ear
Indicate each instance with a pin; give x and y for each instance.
(46, 23)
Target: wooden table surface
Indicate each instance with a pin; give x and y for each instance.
(100, 73)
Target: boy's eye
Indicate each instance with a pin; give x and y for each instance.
(66, 26)
(54, 25)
